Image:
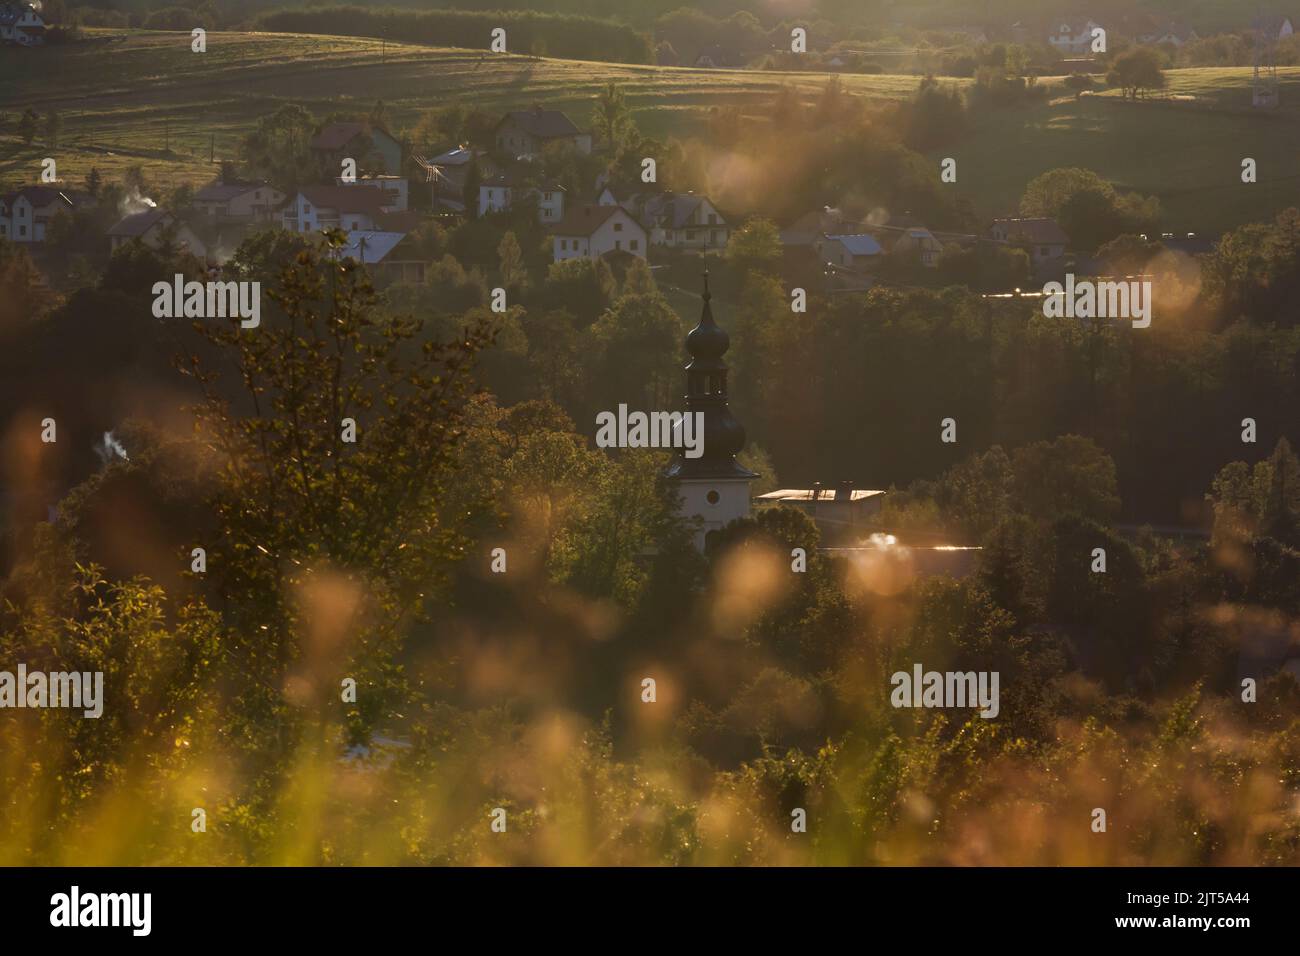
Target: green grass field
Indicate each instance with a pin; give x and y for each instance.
(143, 98)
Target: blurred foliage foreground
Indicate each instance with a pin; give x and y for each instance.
(523, 690)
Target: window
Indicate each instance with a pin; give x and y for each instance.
(712, 497)
(713, 219)
(564, 245)
(618, 243)
(717, 236)
(306, 209)
(618, 227)
(634, 245)
(22, 230)
(546, 196)
(1043, 250)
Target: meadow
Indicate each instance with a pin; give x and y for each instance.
(128, 98)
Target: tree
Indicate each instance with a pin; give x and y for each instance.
(755, 246)
(513, 273)
(94, 181)
(27, 125)
(52, 126)
(936, 116)
(1137, 70)
(612, 120)
(310, 515)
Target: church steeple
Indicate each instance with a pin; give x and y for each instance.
(706, 392)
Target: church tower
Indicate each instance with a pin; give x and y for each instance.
(713, 487)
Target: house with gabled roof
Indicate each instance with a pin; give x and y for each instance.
(683, 221)
(234, 200)
(1072, 35)
(343, 207)
(590, 231)
(860, 252)
(26, 212)
(525, 133)
(152, 227)
(21, 24)
(1272, 27)
(372, 146)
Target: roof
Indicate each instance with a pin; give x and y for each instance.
(338, 135)
(859, 245)
(1272, 23)
(813, 225)
(11, 13)
(820, 494)
(542, 124)
(38, 196)
(218, 191)
(454, 157)
(1044, 231)
(137, 224)
(586, 219)
(675, 209)
(346, 198)
(371, 246)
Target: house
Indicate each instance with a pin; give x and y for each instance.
(1073, 36)
(920, 242)
(153, 228)
(719, 58)
(1273, 27)
(394, 189)
(589, 231)
(683, 221)
(1172, 33)
(525, 133)
(856, 253)
(499, 193)
(382, 253)
(805, 231)
(21, 24)
(841, 506)
(238, 201)
(1043, 239)
(373, 147)
(25, 214)
(337, 207)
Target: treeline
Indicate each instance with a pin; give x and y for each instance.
(540, 34)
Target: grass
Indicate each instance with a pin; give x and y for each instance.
(143, 98)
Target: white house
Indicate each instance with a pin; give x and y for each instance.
(590, 231)
(151, 228)
(246, 202)
(25, 214)
(684, 221)
(500, 192)
(334, 207)
(1073, 36)
(395, 189)
(857, 253)
(920, 242)
(21, 24)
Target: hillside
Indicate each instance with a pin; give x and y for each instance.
(129, 98)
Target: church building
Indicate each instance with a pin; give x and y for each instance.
(714, 487)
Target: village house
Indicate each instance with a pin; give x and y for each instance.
(920, 242)
(222, 201)
(525, 133)
(349, 208)
(683, 221)
(373, 148)
(590, 231)
(21, 24)
(1043, 239)
(394, 189)
(856, 253)
(153, 228)
(386, 255)
(1073, 36)
(500, 192)
(1172, 34)
(1273, 27)
(25, 214)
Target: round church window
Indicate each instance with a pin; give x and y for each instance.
(712, 497)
